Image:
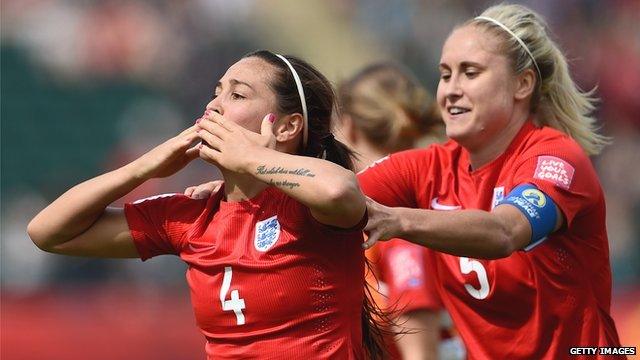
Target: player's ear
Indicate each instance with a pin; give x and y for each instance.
(525, 84)
(288, 127)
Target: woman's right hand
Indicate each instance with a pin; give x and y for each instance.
(169, 157)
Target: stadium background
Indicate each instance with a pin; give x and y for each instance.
(88, 85)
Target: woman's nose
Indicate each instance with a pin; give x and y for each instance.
(214, 105)
(453, 88)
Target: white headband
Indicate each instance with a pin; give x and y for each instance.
(524, 46)
(305, 130)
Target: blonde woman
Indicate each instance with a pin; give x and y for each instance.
(510, 208)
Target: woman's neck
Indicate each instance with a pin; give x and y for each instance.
(492, 149)
(239, 187)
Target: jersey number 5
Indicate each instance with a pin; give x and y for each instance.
(235, 304)
(467, 266)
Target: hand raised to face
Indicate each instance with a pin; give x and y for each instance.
(228, 144)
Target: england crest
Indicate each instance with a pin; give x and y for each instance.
(267, 233)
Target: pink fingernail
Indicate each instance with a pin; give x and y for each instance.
(198, 120)
(272, 118)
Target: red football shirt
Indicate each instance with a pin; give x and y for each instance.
(267, 280)
(533, 304)
(402, 269)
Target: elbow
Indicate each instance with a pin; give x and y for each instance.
(347, 191)
(505, 244)
(38, 236)
(346, 195)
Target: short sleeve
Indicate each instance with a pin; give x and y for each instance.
(564, 173)
(330, 229)
(394, 179)
(158, 224)
(404, 269)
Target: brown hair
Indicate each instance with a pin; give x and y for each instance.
(389, 106)
(321, 106)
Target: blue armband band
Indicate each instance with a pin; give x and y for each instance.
(537, 207)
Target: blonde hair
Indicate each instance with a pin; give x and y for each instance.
(389, 106)
(557, 100)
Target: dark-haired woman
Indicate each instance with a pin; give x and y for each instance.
(275, 258)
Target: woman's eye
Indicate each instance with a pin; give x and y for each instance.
(471, 74)
(236, 96)
(445, 76)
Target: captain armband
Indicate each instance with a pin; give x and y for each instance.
(538, 208)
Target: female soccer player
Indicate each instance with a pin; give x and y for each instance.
(511, 204)
(275, 258)
(384, 110)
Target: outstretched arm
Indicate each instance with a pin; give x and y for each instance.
(330, 191)
(472, 233)
(79, 222)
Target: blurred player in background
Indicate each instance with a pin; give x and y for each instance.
(384, 110)
(511, 204)
(276, 266)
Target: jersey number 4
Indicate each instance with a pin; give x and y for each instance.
(466, 267)
(235, 304)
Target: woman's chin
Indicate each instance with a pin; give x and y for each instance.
(456, 132)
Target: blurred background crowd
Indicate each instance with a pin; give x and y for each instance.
(89, 85)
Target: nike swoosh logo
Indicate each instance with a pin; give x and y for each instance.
(435, 205)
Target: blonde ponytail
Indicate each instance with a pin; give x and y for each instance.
(557, 100)
(565, 107)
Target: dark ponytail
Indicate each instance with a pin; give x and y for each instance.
(377, 324)
(335, 151)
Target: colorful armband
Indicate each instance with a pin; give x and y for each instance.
(538, 208)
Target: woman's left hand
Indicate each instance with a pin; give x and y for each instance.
(384, 223)
(228, 144)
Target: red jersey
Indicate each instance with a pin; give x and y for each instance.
(402, 269)
(267, 280)
(532, 304)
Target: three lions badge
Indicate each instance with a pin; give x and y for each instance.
(267, 233)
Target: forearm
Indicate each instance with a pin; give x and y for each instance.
(78, 208)
(471, 233)
(321, 185)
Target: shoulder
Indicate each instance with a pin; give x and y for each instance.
(416, 157)
(549, 139)
(553, 147)
(174, 206)
(548, 157)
